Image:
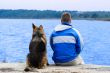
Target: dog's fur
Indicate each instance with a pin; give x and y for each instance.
(37, 49)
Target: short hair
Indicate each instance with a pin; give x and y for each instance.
(66, 17)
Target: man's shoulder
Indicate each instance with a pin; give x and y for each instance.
(75, 30)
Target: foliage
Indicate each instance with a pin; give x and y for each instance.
(48, 14)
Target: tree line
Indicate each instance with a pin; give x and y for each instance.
(49, 14)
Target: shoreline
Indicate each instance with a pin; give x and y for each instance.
(90, 19)
(86, 68)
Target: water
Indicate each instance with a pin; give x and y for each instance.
(15, 36)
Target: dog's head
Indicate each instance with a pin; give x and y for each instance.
(38, 32)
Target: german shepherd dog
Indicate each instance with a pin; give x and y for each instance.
(37, 49)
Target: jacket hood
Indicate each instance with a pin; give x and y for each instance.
(61, 27)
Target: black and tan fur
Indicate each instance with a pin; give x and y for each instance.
(37, 49)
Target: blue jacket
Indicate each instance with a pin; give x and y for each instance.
(66, 43)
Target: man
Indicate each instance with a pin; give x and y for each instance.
(66, 43)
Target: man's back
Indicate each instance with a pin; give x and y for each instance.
(63, 42)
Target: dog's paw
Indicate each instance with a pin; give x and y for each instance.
(47, 64)
(26, 69)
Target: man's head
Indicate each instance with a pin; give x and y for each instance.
(66, 17)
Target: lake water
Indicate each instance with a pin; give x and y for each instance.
(15, 36)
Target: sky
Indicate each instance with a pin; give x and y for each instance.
(59, 5)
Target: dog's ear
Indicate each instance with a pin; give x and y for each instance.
(34, 27)
(41, 27)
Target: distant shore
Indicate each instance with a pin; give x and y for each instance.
(87, 68)
(52, 14)
(99, 19)
(96, 19)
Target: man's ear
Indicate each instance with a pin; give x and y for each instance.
(40, 27)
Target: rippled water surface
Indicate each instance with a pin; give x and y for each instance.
(15, 35)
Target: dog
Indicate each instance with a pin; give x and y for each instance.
(37, 50)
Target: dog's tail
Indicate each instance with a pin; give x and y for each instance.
(28, 69)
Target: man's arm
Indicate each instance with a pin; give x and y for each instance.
(51, 41)
(79, 42)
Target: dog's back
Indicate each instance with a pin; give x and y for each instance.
(37, 49)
